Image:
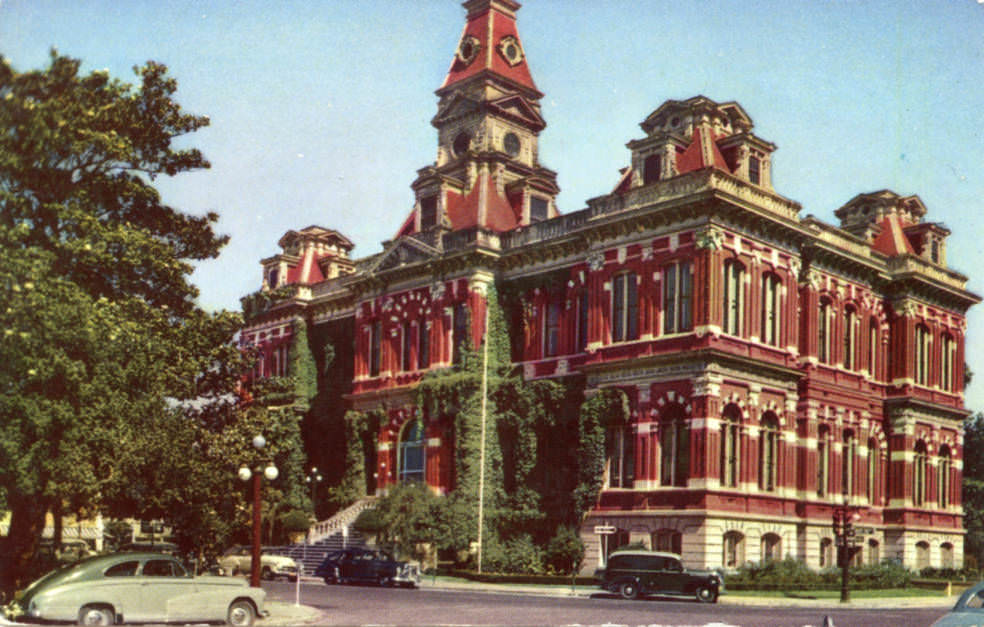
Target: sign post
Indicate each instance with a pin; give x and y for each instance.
(604, 531)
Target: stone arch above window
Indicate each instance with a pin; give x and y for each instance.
(733, 549)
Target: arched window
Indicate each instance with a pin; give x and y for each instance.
(919, 475)
(734, 549)
(945, 466)
(771, 547)
(668, 540)
(769, 452)
(922, 355)
(771, 309)
(823, 332)
(874, 553)
(948, 352)
(734, 297)
(823, 460)
(826, 553)
(621, 456)
(674, 445)
(625, 307)
(730, 445)
(412, 453)
(946, 555)
(922, 555)
(848, 455)
(850, 338)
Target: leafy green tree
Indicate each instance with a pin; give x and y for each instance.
(973, 488)
(102, 334)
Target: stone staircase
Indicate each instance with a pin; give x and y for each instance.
(325, 537)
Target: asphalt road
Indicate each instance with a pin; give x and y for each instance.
(369, 605)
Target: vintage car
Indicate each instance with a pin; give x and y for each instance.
(968, 611)
(359, 565)
(136, 588)
(238, 560)
(635, 573)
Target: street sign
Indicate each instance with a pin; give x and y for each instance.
(604, 530)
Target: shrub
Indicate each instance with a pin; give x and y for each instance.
(565, 551)
(295, 520)
(519, 555)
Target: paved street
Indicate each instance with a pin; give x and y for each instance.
(427, 606)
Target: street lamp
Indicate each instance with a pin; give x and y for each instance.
(844, 518)
(314, 478)
(271, 473)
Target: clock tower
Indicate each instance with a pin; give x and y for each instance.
(487, 172)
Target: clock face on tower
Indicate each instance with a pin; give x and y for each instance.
(511, 143)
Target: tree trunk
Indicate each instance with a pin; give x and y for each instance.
(18, 549)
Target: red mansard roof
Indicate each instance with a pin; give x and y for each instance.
(489, 22)
(465, 211)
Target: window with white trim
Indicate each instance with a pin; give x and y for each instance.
(945, 480)
(674, 445)
(948, 352)
(734, 297)
(677, 297)
(621, 456)
(849, 453)
(919, 475)
(823, 460)
(771, 309)
(850, 338)
(375, 347)
(625, 307)
(412, 453)
(823, 332)
(922, 354)
(551, 329)
(730, 445)
(769, 452)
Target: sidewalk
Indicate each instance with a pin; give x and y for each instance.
(282, 614)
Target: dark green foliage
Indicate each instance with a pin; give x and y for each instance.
(360, 430)
(973, 489)
(791, 574)
(404, 520)
(565, 551)
(606, 408)
(295, 520)
(301, 367)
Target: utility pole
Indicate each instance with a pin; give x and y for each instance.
(844, 518)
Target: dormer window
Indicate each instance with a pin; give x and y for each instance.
(651, 169)
(428, 212)
(934, 251)
(754, 170)
(538, 209)
(273, 277)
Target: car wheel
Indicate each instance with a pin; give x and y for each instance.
(629, 590)
(384, 581)
(241, 614)
(706, 594)
(91, 615)
(266, 573)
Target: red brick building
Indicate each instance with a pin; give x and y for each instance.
(776, 366)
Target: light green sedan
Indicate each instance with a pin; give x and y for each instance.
(138, 588)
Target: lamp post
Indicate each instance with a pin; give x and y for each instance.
(844, 518)
(257, 474)
(313, 479)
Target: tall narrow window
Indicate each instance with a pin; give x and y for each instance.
(823, 332)
(459, 332)
(734, 549)
(948, 350)
(823, 460)
(944, 468)
(674, 444)
(551, 330)
(734, 291)
(428, 212)
(582, 321)
(850, 339)
(375, 346)
(872, 483)
(677, 298)
(771, 297)
(848, 455)
(621, 457)
(769, 452)
(412, 453)
(730, 445)
(423, 345)
(650, 169)
(873, 349)
(407, 343)
(754, 170)
(922, 355)
(625, 307)
(771, 547)
(919, 475)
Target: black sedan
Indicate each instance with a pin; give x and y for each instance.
(358, 565)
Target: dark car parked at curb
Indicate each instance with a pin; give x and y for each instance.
(635, 573)
(357, 565)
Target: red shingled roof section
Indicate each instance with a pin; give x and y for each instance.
(407, 227)
(463, 211)
(478, 27)
(692, 158)
(891, 240)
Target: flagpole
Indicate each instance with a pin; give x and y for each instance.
(481, 447)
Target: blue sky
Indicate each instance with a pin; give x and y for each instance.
(321, 110)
